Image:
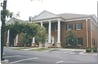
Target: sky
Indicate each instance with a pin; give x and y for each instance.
(28, 8)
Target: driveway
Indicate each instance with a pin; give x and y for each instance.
(48, 57)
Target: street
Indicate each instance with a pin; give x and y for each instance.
(48, 57)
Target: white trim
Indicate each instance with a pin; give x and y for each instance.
(48, 19)
(67, 20)
(78, 29)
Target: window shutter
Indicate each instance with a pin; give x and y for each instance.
(66, 26)
(72, 26)
(75, 26)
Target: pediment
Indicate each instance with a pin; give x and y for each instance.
(44, 15)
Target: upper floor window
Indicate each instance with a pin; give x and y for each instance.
(78, 26)
(69, 26)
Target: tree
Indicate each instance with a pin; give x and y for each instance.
(70, 39)
(41, 35)
(15, 29)
(29, 30)
(4, 13)
(33, 30)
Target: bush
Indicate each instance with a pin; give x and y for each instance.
(88, 50)
(94, 49)
(91, 50)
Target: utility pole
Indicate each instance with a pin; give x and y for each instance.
(3, 19)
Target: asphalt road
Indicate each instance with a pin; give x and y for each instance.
(50, 57)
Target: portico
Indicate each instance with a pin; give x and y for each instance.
(49, 18)
(50, 36)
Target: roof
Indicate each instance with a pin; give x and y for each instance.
(71, 15)
(46, 15)
(13, 20)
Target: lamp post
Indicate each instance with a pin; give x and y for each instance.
(3, 19)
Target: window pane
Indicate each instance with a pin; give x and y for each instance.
(69, 26)
(78, 26)
(80, 41)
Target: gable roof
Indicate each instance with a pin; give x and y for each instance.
(44, 15)
(13, 20)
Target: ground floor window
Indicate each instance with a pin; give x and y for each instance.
(94, 42)
(80, 41)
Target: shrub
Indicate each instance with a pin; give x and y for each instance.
(94, 49)
(88, 50)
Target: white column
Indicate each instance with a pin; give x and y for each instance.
(16, 39)
(59, 31)
(87, 31)
(8, 33)
(52, 40)
(33, 41)
(49, 32)
(41, 23)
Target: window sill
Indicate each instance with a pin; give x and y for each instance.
(78, 29)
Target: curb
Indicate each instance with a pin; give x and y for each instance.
(5, 62)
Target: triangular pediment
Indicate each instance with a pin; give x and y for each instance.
(44, 15)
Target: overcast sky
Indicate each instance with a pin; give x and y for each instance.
(31, 8)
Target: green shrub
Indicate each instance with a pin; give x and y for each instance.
(94, 49)
(88, 50)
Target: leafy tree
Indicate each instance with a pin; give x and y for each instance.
(70, 39)
(41, 35)
(7, 13)
(29, 30)
(15, 29)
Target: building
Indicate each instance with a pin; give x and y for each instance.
(57, 25)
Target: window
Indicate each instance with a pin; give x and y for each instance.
(54, 27)
(78, 26)
(69, 26)
(80, 41)
(93, 41)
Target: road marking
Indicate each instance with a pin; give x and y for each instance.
(58, 62)
(24, 60)
(12, 56)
